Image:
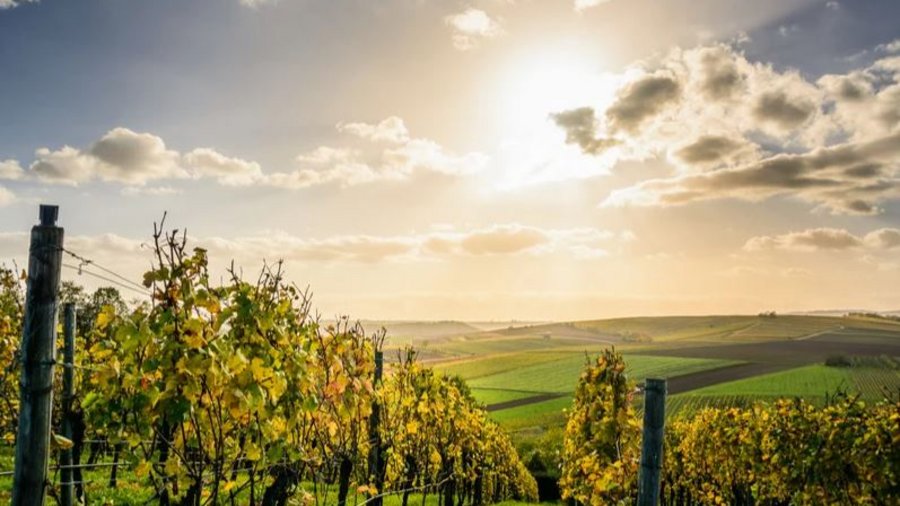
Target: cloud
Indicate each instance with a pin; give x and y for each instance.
(383, 151)
(11, 170)
(9, 4)
(715, 150)
(6, 197)
(391, 130)
(389, 153)
(889, 47)
(826, 239)
(153, 191)
(580, 126)
(581, 5)
(720, 77)
(130, 256)
(206, 162)
(472, 26)
(255, 4)
(642, 99)
(785, 111)
(807, 240)
(739, 129)
(134, 159)
(849, 178)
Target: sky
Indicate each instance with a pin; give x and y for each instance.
(469, 159)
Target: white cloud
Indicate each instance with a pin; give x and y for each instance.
(153, 191)
(392, 130)
(121, 155)
(132, 159)
(388, 153)
(889, 47)
(581, 5)
(112, 250)
(11, 170)
(737, 129)
(254, 4)
(206, 162)
(9, 4)
(827, 239)
(6, 197)
(472, 26)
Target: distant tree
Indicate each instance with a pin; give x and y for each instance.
(90, 305)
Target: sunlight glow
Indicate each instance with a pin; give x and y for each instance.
(536, 86)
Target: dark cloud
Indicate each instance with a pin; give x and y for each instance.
(866, 170)
(826, 239)
(786, 112)
(851, 91)
(642, 99)
(580, 126)
(809, 240)
(890, 106)
(820, 176)
(709, 149)
(884, 238)
(721, 78)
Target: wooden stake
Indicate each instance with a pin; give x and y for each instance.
(38, 355)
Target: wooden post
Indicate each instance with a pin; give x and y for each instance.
(376, 459)
(67, 495)
(38, 355)
(652, 441)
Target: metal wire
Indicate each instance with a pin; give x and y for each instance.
(86, 261)
(82, 270)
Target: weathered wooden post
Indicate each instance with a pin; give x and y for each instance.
(376, 458)
(38, 355)
(652, 441)
(67, 495)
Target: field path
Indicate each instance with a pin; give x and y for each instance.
(700, 379)
(515, 403)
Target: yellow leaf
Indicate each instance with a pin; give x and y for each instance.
(252, 451)
(142, 469)
(60, 442)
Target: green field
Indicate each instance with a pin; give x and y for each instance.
(731, 328)
(809, 381)
(814, 383)
(516, 364)
(472, 368)
(488, 396)
(562, 375)
(539, 415)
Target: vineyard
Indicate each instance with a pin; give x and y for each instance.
(233, 393)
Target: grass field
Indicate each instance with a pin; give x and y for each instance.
(478, 367)
(490, 396)
(813, 383)
(561, 375)
(732, 328)
(809, 381)
(511, 367)
(539, 415)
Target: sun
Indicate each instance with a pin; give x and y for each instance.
(550, 79)
(534, 86)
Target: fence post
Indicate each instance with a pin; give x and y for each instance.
(376, 459)
(652, 441)
(38, 354)
(67, 494)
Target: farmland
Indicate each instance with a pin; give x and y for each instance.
(526, 375)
